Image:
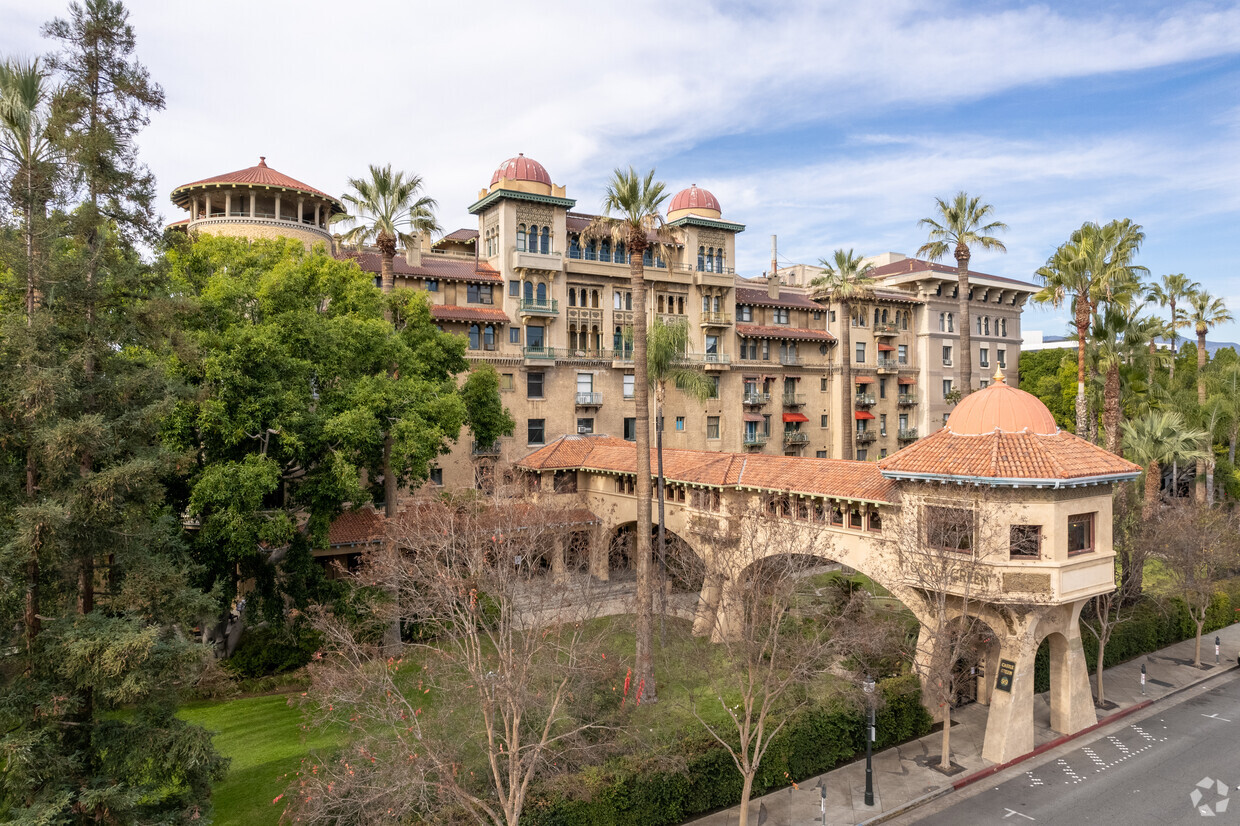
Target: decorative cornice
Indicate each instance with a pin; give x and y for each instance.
(1010, 482)
(479, 206)
(713, 223)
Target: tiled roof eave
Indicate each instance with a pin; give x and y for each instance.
(813, 494)
(1011, 482)
(486, 201)
(186, 189)
(712, 223)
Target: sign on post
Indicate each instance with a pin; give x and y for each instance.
(1007, 673)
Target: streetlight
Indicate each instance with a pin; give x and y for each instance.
(868, 685)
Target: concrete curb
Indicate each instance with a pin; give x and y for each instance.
(907, 806)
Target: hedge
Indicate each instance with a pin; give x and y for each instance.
(1152, 625)
(815, 740)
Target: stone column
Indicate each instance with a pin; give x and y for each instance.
(253, 204)
(708, 605)
(227, 204)
(1009, 727)
(277, 207)
(300, 212)
(193, 209)
(599, 553)
(558, 558)
(208, 198)
(1072, 700)
(317, 222)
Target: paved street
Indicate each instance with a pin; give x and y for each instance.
(1142, 772)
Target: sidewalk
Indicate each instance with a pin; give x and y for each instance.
(901, 775)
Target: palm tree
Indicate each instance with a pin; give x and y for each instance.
(1155, 439)
(845, 280)
(1093, 266)
(389, 208)
(1167, 294)
(959, 225)
(1207, 311)
(27, 150)
(666, 346)
(631, 207)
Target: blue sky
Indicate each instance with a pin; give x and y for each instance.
(828, 124)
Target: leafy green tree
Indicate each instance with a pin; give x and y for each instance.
(631, 205)
(959, 225)
(1155, 440)
(389, 208)
(1170, 291)
(846, 280)
(1206, 312)
(485, 413)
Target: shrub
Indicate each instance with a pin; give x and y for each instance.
(271, 650)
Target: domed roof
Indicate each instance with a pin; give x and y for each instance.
(694, 198)
(521, 168)
(1002, 408)
(260, 175)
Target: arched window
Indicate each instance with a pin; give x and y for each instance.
(521, 237)
(710, 259)
(647, 258)
(604, 251)
(986, 324)
(942, 322)
(592, 251)
(574, 246)
(473, 336)
(979, 325)
(542, 293)
(593, 299)
(1003, 324)
(616, 301)
(597, 338)
(876, 318)
(620, 259)
(529, 291)
(904, 321)
(718, 260)
(951, 327)
(546, 241)
(617, 342)
(701, 259)
(572, 296)
(884, 316)
(488, 338)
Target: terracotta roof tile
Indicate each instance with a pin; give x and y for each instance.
(767, 331)
(578, 221)
(357, 527)
(461, 235)
(432, 266)
(759, 298)
(832, 478)
(260, 175)
(453, 312)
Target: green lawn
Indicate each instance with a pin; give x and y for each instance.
(264, 738)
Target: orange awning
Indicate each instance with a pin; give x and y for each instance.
(863, 414)
(863, 379)
(907, 380)
(752, 417)
(795, 417)
(886, 347)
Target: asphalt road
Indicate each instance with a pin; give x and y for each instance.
(1143, 773)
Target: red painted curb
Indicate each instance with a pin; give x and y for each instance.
(1058, 741)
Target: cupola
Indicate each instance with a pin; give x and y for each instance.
(694, 201)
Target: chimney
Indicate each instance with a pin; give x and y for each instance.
(413, 251)
(772, 280)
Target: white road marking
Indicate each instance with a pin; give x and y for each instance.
(1216, 717)
(1011, 812)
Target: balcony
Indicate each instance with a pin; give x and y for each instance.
(794, 399)
(673, 319)
(757, 398)
(795, 437)
(589, 399)
(906, 399)
(548, 353)
(907, 434)
(709, 360)
(545, 262)
(754, 439)
(486, 450)
(885, 329)
(791, 360)
(887, 365)
(532, 306)
(716, 319)
(864, 400)
(864, 437)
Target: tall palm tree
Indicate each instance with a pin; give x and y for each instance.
(666, 346)
(389, 208)
(845, 280)
(631, 205)
(959, 225)
(1092, 267)
(1155, 439)
(27, 152)
(1168, 293)
(1206, 312)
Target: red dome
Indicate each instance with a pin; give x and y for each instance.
(521, 168)
(1003, 408)
(694, 198)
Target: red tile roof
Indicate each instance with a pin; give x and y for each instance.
(578, 221)
(359, 527)
(831, 478)
(910, 265)
(767, 331)
(694, 198)
(453, 312)
(432, 266)
(261, 175)
(759, 298)
(460, 235)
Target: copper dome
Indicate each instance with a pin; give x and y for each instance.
(521, 168)
(694, 198)
(1001, 408)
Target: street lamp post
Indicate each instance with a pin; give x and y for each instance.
(868, 685)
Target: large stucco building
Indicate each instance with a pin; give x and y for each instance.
(550, 310)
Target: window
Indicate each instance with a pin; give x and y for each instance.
(820, 454)
(904, 320)
(947, 391)
(514, 335)
(534, 431)
(766, 424)
(781, 315)
(1003, 327)
(514, 289)
(875, 522)
(984, 359)
(860, 352)
(712, 427)
(1025, 542)
(680, 422)
(882, 388)
(630, 428)
(585, 425)
(701, 264)
(546, 241)
(542, 293)
(947, 356)
(1001, 357)
(949, 529)
(882, 424)
(712, 345)
(903, 421)
(823, 421)
(432, 286)
(629, 378)
(882, 453)
(862, 453)
(505, 381)
(1081, 533)
(478, 293)
(854, 518)
(437, 476)
(942, 322)
(817, 315)
(527, 289)
(488, 337)
(714, 387)
(585, 382)
(951, 327)
(902, 353)
(534, 338)
(534, 386)
(473, 336)
(572, 296)
(521, 237)
(822, 385)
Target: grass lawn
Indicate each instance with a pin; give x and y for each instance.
(264, 738)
